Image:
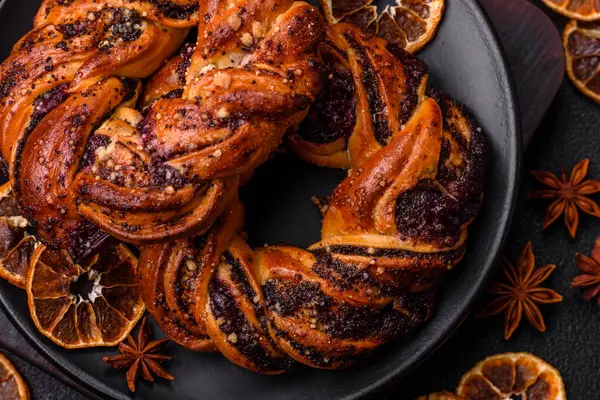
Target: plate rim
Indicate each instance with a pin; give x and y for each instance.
(102, 390)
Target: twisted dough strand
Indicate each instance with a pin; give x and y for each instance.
(62, 80)
(391, 231)
(84, 162)
(253, 74)
(375, 93)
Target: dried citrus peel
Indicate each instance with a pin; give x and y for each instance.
(584, 10)
(581, 42)
(12, 385)
(112, 307)
(411, 24)
(507, 376)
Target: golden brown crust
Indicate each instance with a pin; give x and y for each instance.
(230, 119)
(81, 158)
(392, 230)
(225, 121)
(168, 81)
(190, 283)
(45, 163)
(61, 82)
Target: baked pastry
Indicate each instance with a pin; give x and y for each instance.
(255, 64)
(237, 105)
(84, 162)
(252, 75)
(392, 230)
(63, 79)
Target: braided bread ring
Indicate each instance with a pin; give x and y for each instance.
(392, 230)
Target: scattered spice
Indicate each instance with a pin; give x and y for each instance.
(141, 356)
(520, 293)
(590, 279)
(568, 195)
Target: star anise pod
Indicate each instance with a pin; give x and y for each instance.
(590, 279)
(520, 292)
(141, 356)
(568, 195)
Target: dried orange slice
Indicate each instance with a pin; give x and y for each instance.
(584, 10)
(581, 41)
(411, 24)
(16, 245)
(512, 375)
(362, 17)
(417, 20)
(12, 385)
(388, 29)
(93, 303)
(336, 10)
(440, 396)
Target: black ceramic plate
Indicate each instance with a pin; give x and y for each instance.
(465, 60)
